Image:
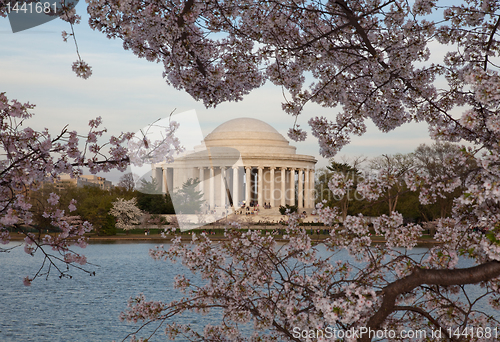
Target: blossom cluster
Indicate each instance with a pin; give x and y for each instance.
(82, 69)
(297, 134)
(158, 144)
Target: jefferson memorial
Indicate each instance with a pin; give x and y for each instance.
(243, 162)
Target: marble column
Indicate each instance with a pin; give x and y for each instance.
(223, 187)
(248, 175)
(201, 179)
(272, 187)
(292, 186)
(260, 187)
(311, 188)
(301, 189)
(164, 187)
(283, 186)
(306, 189)
(158, 178)
(236, 186)
(212, 188)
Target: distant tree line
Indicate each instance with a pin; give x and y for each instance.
(94, 204)
(429, 160)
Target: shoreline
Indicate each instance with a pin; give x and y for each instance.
(137, 238)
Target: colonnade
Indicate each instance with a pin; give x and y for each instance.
(271, 185)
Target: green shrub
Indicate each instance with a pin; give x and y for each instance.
(291, 208)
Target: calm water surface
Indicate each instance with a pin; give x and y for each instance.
(87, 308)
(84, 308)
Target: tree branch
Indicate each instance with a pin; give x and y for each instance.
(426, 315)
(419, 276)
(490, 42)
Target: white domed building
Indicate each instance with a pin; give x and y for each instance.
(244, 161)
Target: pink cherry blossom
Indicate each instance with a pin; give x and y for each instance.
(53, 199)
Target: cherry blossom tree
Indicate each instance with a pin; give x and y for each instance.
(29, 159)
(126, 212)
(370, 59)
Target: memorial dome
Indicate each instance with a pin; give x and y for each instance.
(249, 136)
(244, 125)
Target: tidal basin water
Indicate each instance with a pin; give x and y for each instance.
(87, 308)
(84, 308)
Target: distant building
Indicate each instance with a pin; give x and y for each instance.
(84, 180)
(93, 180)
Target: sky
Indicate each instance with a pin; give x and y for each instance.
(129, 93)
